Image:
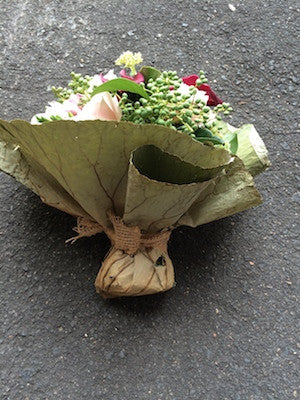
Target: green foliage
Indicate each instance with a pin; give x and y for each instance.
(205, 135)
(121, 84)
(149, 73)
(232, 139)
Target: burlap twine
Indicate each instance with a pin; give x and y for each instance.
(126, 238)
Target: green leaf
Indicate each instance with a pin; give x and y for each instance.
(33, 175)
(248, 146)
(150, 72)
(232, 139)
(89, 159)
(213, 140)
(234, 145)
(157, 164)
(232, 193)
(72, 166)
(123, 84)
(152, 172)
(252, 150)
(203, 132)
(205, 135)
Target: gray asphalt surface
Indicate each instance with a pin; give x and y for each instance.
(228, 329)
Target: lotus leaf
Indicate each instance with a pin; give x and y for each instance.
(152, 177)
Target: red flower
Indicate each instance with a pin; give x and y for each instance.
(190, 80)
(138, 78)
(213, 99)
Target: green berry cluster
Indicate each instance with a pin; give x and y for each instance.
(224, 109)
(78, 85)
(169, 107)
(201, 78)
(166, 105)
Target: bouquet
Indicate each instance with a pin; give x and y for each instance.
(136, 155)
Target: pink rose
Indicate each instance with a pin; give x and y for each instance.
(101, 106)
(213, 99)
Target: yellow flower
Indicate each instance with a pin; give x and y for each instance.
(129, 60)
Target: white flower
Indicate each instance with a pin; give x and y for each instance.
(98, 79)
(110, 75)
(200, 94)
(55, 109)
(94, 82)
(71, 105)
(65, 110)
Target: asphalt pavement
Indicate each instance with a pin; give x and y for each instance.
(227, 331)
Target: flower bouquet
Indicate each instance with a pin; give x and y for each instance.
(135, 156)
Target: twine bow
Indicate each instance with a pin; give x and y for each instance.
(85, 228)
(127, 238)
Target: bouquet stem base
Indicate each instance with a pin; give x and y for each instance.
(148, 271)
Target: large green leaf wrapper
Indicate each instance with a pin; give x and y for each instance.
(251, 148)
(151, 176)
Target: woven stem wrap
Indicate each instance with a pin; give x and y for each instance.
(126, 238)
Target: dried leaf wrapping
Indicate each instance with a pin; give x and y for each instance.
(88, 161)
(151, 176)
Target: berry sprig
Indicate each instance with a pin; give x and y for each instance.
(168, 100)
(167, 106)
(201, 78)
(78, 85)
